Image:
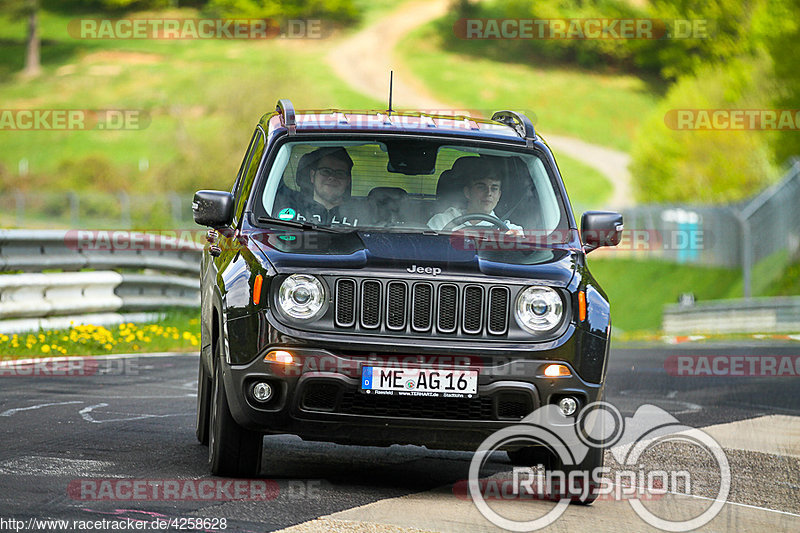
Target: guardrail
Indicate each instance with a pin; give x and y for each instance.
(751, 315)
(138, 273)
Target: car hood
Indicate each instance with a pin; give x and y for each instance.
(290, 250)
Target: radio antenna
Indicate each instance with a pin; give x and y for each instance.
(391, 75)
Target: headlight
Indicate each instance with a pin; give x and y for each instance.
(539, 309)
(301, 296)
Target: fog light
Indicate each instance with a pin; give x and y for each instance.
(556, 371)
(279, 356)
(262, 391)
(568, 405)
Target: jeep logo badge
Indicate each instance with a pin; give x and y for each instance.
(424, 270)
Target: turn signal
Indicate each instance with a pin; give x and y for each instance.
(556, 371)
(581, 306)
(279, 356)
(257, 289)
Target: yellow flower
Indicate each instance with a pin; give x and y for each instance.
(45, 349)
(107, 346)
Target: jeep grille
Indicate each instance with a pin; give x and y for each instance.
(403, 306)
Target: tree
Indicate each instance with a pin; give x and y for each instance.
(27, 9)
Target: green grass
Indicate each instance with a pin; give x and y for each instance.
(605, 109)
(788, 284)
(587, 188)
(178, 331)
(372, 10)
(638, 290)
(204, 98)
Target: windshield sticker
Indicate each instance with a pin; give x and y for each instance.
(286, 214)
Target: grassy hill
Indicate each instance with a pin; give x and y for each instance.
(203, 97)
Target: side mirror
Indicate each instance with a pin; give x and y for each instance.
(600, 228)
(212, 208)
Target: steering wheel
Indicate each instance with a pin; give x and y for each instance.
(475, 216)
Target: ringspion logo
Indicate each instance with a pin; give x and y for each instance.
(570, 440)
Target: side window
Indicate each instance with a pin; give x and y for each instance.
(248, 174)
(247, 155)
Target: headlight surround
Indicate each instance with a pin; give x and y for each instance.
(301, 297)
(539, 309)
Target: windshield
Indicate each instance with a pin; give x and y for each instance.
(411, 185)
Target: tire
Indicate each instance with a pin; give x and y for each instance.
(530, 456)
(539, 455)
(233, 451)
(204, 389)
(593, 460)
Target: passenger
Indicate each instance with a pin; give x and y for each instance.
(482, 190)
(324, 178)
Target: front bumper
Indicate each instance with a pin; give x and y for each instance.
(319, 398)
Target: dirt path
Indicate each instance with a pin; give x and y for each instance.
(364, 60)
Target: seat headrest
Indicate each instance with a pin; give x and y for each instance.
(381, 194)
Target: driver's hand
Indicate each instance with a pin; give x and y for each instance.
(515, 233)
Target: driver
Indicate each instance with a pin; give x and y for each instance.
(482, 190)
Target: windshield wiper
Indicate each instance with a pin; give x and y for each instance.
(303, 225)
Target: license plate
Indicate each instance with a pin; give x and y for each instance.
(419, 382)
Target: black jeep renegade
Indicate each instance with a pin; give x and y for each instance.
(379, 278)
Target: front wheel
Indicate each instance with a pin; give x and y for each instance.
(233, 450)
(588, 489)
(204, 386)
(534, 456)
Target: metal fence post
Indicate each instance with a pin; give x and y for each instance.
(125, 209)
(747, 254)
(74, 207)
(19, 200)
(175, 204)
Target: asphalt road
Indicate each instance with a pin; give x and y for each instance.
(137, 422)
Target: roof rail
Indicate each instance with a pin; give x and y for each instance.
(286, 111)
(521, 124)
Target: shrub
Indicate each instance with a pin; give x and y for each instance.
(706, 166)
